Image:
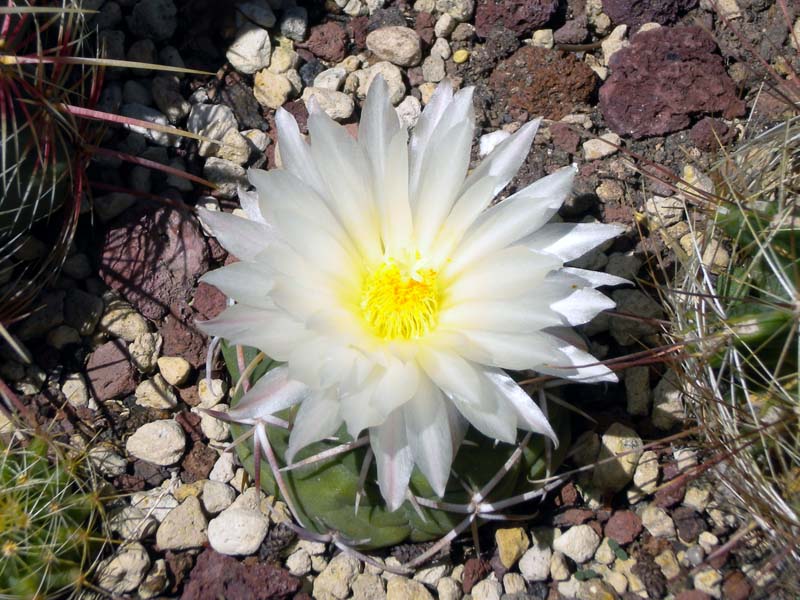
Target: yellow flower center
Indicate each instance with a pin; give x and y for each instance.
(400, 303)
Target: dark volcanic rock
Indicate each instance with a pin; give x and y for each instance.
(624, 526)
(154, 259)
(573, 31)
(636, 13)
(564, 137)
(424, 25)
(535, 82)
(520, 16)
(662, 79)
(110, 371)
(218, 576)
(183, 338)
(708, 134)
(328, 42)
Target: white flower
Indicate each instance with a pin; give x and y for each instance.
(376, 270)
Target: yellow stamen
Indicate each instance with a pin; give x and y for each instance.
(398, 304)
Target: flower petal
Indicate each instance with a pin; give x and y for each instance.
(249, 202)
(317, 419)
(577, 365)
(241, 237)
(493, 419)
(515, 315)
(273, 392)
(379, 124)
(569, 241)
(429, 436)
(582, 305)
(454, 375)
(421, 135)
(246, 282)
(393, 458)
(295, 152)
(596, 278)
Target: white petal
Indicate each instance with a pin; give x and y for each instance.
(436, 107)
(398, 385)
(582, 305)
(271, 331)
(493, 419)
(393, 459)
(451, 373)
(506, 158)
(514, 351)
(317, 419)
(569, 241)
(515, 217)
(379, 124)
(505, 274)
(272, 393)
(300, 298)
(429, 435)
(295, 152)
(246, 282)
(529, 415)
(497, 315)
(345, 170)
(442, 174)
(575, 364)
(392, 195)
(249, 202)
(596, 278)
(241, 237)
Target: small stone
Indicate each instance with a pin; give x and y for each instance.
(124, 571)
(511, 545)
(335, 580)
(157, 502)
(255, 11)
(535, 563)
(543, 38)
(623, 442)
(559, 569)
(614, 42)
(331, 79)
(299, 563)
(223, 469)
(637, 390)
(141, 112)
(77, 266)
(122, 321)
(409, 111)
(391, 75)
(460, 10)
(514, 583)
(697, 497)
(132, 524)
(402, 588)
(251, 49)
(174, 369)
(156, 19)
(237, 531)
(211, 395)
(708, 541)
(668, 563)
(399, 45)
(159, 442)
(184, 527)
(662, 212)
(155, 393)
(667, 402)
(449, 589)
(75, 390)
(426, 91)
(634, 302)
(610, 191)
(708, 581)
(294, 24)
(624, 526)
(217, 496)
(488, 589)
(168, 98)
(144, 351)
(368, 586)
(105, 459)
(658, 522)
(585, 449)
(441, 49)
(433, 69)
(155, 582)
(228, 176)
(271, 90)
(578, 543)
(598, 148)
(444, 26)
(430, 575)
(337, 105)
(213, 428)
(605, 554)
(460, 56)
(82, 311)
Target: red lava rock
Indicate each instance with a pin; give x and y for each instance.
(624, 526)
(208, 301)
(538, 82)
(327, 41)
(662, 79)
(153, 259)
(110, 371)
(183, 338)
(573, 31)
(520, 16)
(709, 133)
(179, 565)
(475, 569)
(197, 463)
(567, 495)
(423, 25)
(688, 523)
(573, 516)
(297, 109)
(636, 13)
(564, 137)
(692, 595)
(189, 395)
(129, 483)
(357, 28)
(190, 422)
(735, 586)
(217, 576)
(671, 494)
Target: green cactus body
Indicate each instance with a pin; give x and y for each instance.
(324, 493)
(46, 524)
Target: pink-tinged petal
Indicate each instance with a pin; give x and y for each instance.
(429, 436)
(295, 152)
(529, 415)
(243, 238)
(569, 241)
(317, 419)
(393, 458)
(272, 393)
(577, 365)
(246, 282)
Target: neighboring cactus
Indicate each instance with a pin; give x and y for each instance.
(739, 325)
(49, 516)
(324, 493)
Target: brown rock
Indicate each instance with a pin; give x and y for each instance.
(520, 16)
(736, 586)
(671, 494)
(327, 41)
(475, 569)
(357, 27)
(218, 576)
(709, 133)
(666, 76)
(182, 338)
(636, 13)
(692, 595)
(197, 463)
(688, 523)
(565, 137)
(153, 259)
(573, 516)
(536, 82)
(624, 526)
(423, 25)
(110, 372)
